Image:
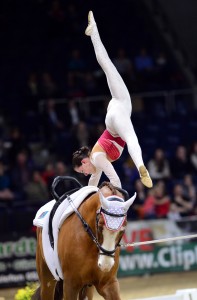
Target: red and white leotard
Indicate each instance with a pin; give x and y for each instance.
(113, 146)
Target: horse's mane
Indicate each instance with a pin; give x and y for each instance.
(109, 186)
(107, 189)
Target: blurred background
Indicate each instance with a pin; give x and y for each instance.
(53, 99)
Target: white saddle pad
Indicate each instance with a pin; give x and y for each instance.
(63, 211)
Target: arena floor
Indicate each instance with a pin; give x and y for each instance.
(141, 287)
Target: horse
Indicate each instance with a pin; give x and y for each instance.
(88, 249)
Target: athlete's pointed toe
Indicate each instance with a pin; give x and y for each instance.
(145, 177)
(91, 23)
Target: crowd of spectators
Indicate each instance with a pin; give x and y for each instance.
(174, 194)
(51, 116)
(28, 165)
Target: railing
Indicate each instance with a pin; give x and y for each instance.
(170, 99)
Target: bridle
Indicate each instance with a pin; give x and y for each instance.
(88, 229)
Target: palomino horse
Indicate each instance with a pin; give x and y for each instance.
(88, 249)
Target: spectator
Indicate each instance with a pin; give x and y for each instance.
(20, 174)
(48, 174)
(6, 193)
(3, 151)
(36, 190)
(32, 93)
(17, 143)
(123, 65)
(90, 84)
(3, 124)
(72, 117)
(144, 67)
(61, 169)
(189, 188)
(76, 63)
(181, 206)
(162, 200)
(136, 210)
(157, 203)
(193, 158)
(73, 87)
(52, 125)
(147, 210)
(158, 166)
(48, 87)
(32, 85)
(143, 61)
(162, 70)
(130, 173)
(82, 134)
(180, 164)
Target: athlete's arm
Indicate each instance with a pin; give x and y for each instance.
(102, 164)
(94, 178)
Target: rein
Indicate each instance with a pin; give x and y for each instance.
(90, 232)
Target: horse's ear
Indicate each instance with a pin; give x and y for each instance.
(104, 202)
(129, 202)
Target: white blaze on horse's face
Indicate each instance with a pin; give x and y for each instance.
(113, 225)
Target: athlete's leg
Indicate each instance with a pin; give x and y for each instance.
(124, 128)
(121, 123)
(115, 82)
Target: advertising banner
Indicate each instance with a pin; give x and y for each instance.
(17, 260)
(179, 255)
(18, 251)
(159, 260)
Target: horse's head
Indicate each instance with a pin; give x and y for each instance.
(112, 222)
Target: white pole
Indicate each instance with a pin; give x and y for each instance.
(183, 237)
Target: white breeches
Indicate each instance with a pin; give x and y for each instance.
(118, 117)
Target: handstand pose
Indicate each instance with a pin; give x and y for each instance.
(119, 129)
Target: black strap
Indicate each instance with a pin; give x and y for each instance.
(52, 213)
(59, 200)
(89, 230)
(111, 214)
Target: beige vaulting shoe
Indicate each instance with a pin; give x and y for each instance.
(145, 177)
(91, 23)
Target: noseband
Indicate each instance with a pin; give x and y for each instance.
(88, 229)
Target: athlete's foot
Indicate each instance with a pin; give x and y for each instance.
(145, 177)
(91, 23)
